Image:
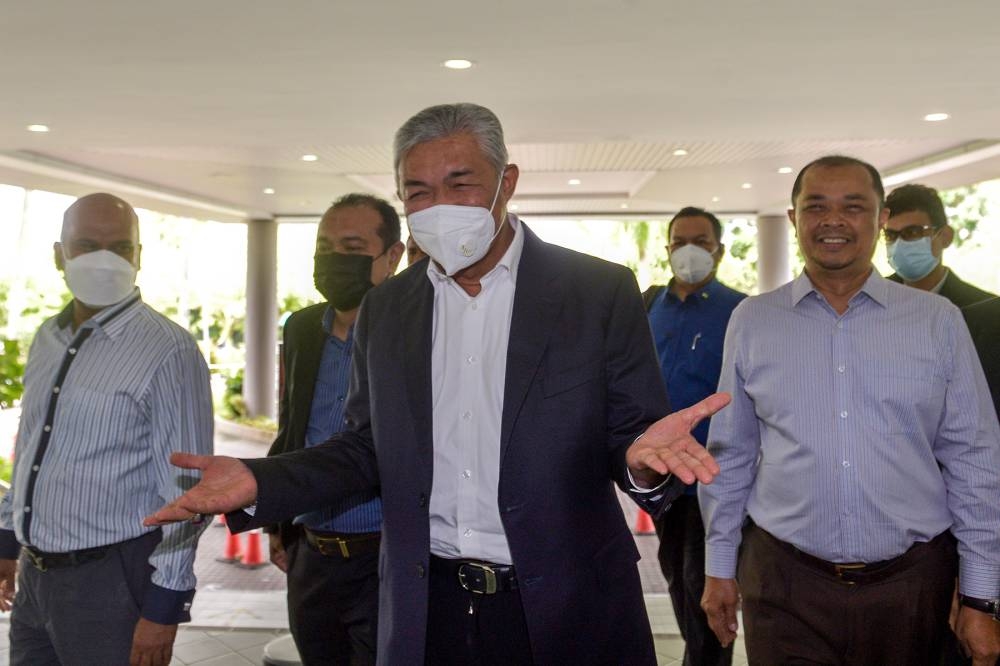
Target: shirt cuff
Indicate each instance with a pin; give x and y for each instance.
(9, 547)
(165, 606)
(720, 561)
(637, 489)
(979, 580)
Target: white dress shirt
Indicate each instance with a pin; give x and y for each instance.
(469, 363)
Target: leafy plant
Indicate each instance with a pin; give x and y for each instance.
(11, 373)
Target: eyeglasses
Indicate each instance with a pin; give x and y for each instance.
(910, 233)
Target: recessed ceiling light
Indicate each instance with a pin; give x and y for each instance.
(680, 152)
(268, 190)
(310, 158)
(573, 181)
(624, 205)
(457, 63)
(784, 169)
(746, 186)
(715, 199)
(936, 117)
(38, 128)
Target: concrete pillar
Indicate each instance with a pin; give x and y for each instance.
(259, 389)
(773, 266)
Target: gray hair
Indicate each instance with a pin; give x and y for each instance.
(443, 120)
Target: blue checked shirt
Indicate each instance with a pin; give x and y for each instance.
(854, 436)
(362, 513)
(102, 410)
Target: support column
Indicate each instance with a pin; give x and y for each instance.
(259, 390)
(773, 265)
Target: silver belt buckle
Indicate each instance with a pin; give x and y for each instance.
(488, 573)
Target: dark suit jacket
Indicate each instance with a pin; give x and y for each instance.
(956, 290)
(984, 325)
(582, 383)
(300, 357)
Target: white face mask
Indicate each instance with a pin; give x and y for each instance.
(455, 236)
(691, 264)
(99, 278)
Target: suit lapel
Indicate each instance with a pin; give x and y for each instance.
(537, 298)
(309, 350)
(416, 317)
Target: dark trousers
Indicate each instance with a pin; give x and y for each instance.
(332, 605)
(794, 613)
(682, 561)
(468, 629)
(81, 615)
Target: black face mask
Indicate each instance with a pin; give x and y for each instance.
(343, 279)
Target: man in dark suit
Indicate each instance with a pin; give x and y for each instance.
(331, 554)
(509, 383)
(916, 236)
(984, 325)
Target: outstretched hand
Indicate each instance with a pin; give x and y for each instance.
(667, 446)
(226, 485)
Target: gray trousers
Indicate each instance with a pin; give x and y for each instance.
(81, 615)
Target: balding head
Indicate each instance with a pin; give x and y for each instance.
(99, 221)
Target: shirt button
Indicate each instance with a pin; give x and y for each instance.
(422, 501)
(72, 350)
(843, 414)
(55, 389)
(47, 428)
(470, 360)
(467, 474)
(421, 571)
(475, 306)
(34, 468)
(846, 464)
(840, 324)
(841, 368)
(27, 509)
(340, 398)
(467, 416)
(467, 533)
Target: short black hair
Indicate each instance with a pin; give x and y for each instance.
(921, 198)
(389, 230)
(694, 211)
(841, 161)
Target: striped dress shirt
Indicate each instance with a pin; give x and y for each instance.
(854, 436)
(103, 408)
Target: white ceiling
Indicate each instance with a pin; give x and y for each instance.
(195, 106)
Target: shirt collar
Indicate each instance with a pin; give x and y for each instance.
(110, 320)
(875, 287)
(710, 290)
(328, 315)
(508, 262)
(936, 289)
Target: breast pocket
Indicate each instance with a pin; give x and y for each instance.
(566, 379)
(901, 398)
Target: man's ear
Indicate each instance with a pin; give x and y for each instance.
(57, 255)
(947, 236)
(509, 179)
(791, 218)
(394, 254)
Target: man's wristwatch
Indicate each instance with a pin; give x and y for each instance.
(988, 606)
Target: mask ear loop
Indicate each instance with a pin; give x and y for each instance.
(496, 195)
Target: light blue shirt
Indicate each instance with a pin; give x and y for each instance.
(102, 410)
(854, 436)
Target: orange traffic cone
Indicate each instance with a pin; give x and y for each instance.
(231, 552)
(253, 558)
(643, 523)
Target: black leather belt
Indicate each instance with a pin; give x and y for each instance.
(44, 561)
(853, 573)
(476, 576)
(336, 544)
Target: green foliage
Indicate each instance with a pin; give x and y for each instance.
(965, 206)
(11, 373)
(6, 469)
(233, 406)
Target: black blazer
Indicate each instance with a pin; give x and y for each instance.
(300, 357)
(956, 290)
(582, 383)
(984, 325)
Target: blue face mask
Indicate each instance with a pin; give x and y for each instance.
(912, 260)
